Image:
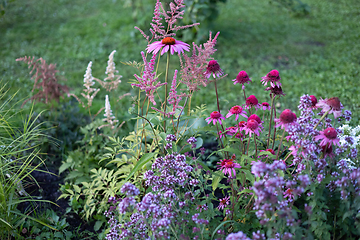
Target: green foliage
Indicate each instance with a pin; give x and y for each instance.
(19, 143)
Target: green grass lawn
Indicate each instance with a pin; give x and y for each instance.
(317, 54)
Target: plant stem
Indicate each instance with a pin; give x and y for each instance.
(322, 118)
(271, 114)
(282, 137)
(166, 88)
(255, 146)
(217, 97)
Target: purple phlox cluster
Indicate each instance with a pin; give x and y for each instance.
(158, 29)
(274, 192)
(173, 172)
(193, 67)
(148, 81)
(171, 138)
(237, 236)
(198, 220)
(174, 99)
(129, 189)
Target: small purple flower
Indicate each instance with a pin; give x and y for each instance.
(191, 140)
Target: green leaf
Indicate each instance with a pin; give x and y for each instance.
(143, 160)
(199, 142)
(215, 182)
(77, 188)
(218, 227)
(97, 225)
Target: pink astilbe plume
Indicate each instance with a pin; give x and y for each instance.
(148, 82)
(174, 99)
(158, 29)
(193, 67)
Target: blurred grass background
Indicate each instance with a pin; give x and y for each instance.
(317, 54)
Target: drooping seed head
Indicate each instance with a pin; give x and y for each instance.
(334, 103)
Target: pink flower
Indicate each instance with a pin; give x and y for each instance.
(242, 78)
(328, 151)
(289, 193)
(266, 106)
(242, 125)
(252, 126)
(168, 43)
(313, 100)
(237, 110)
(224, 202)
(331, 103)
(215, 117)
(231, 131)
(252, 101)
(227, 166)
(277, 91)
(287, 117)
(329, 135)
(273, 77)
(214, 69)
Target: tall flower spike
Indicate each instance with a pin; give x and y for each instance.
(88, 83)
(157, 28)
(173, 98)
(109, 117)
(193, 67)
(110, 69)
(148, 82)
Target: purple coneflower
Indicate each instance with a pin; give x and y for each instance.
(287, 117)
(277, 91)
(252, 126)
(265, 106)
(331, 103)
(242, 78)
(273, 77)
(289, 193)
(215, 117)
(227, 166)
(214, 69)
(329, 135)
(237, 110)
(224, 202)
(252, 101)
(168, 43)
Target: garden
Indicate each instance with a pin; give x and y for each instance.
(179, 119)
